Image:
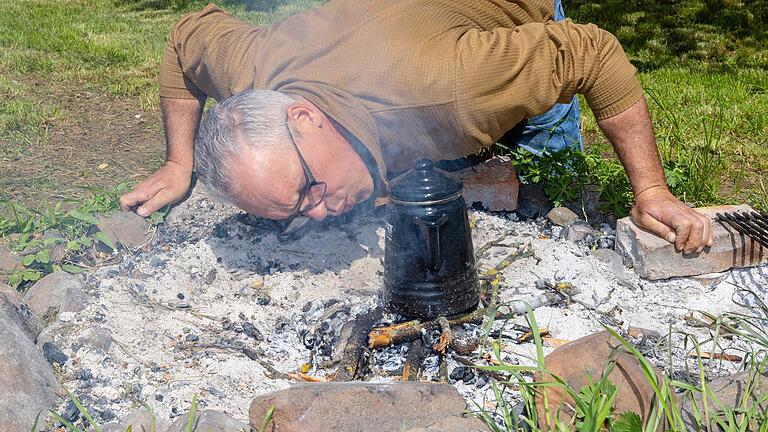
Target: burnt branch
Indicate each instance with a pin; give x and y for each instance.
(353, 358)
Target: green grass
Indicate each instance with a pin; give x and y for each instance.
(705, 63)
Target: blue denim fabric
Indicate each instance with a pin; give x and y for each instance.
(556, 129)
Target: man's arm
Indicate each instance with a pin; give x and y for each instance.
(191, 70)
(169, 184)
(656, 209)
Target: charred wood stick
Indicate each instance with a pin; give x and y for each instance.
(352, 358)
(273, 373)
(414, 360)
(442, 371)
(446, 336)
(408, 331)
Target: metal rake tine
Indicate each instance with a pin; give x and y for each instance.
(758, 219)
(751, 223)
(743, 228)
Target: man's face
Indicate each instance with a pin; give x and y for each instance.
(269, 182)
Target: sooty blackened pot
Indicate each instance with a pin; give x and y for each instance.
(429, 261)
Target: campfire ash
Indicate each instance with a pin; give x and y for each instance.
(221, 309)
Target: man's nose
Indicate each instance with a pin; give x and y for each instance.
(318, 213)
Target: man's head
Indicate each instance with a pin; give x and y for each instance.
(244, 152)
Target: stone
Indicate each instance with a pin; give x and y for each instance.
(94, 338)
(141, 420)
(57, 290)
(492, 183)
(126, 228)
(11, 300)
(9, 262)
(578, 230)
(364, 407)
(12, 294)
(27, 384)
(452, 423)
(612, 259)
(654, 258)
(209, 421)
(578, 361)
(562, 216)
(729, 391)
(533, 201)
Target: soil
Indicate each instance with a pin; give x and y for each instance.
(99, 141)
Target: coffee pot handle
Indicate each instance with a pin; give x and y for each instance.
(431, 230)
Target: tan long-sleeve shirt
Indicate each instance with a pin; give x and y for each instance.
(407, 78)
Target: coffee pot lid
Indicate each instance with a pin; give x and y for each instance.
(424, 184)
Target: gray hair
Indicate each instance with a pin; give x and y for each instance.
(251, 118)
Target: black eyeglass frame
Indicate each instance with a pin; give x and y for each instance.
(298, 217)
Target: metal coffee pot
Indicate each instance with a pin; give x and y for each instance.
(429, 261)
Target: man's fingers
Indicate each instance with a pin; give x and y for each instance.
(156, 203)
(682, 231)
(133, 198)
(648, 222)
(695, 235)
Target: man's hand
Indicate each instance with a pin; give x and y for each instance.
(658, 211)
(166, 186)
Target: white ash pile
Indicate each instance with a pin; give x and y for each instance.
(219, 307)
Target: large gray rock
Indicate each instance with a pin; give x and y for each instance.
(141, 420)
(126, 228)
(27, 383)
(365, 407)
(55, 293)
(27, 320)
(209, 421)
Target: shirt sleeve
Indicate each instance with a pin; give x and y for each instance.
(507, 74)
(196, 59)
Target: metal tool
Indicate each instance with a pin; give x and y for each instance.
(752, 224)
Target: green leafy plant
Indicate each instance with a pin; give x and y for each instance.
(50, 239)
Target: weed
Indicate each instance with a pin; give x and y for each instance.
(594, 403)
(51, 239)
(268, 419)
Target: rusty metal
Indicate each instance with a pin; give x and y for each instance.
(752, 224)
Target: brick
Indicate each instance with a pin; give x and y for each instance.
(493, 184)
(655, 258)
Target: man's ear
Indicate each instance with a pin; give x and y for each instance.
(302, 115)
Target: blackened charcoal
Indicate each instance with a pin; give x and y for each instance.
(263, 301)
(84, 374)
(251, 331)
(52, 353)
(192, 337)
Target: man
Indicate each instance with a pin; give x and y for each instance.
(317, 110)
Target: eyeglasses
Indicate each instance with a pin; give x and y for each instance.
(313, 192)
